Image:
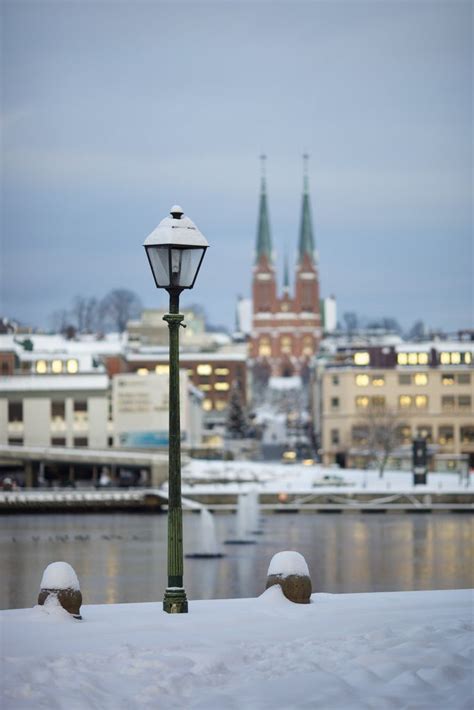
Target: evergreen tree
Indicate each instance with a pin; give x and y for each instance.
(236, 425)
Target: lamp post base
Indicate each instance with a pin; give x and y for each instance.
(174, 601)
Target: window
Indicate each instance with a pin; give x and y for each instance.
(334, 436)
(455, 358)
(464, 379)
(142, 371)
(335, 379)
(378, 402)
(378, 380)
(464, 401)
(285, 345)
(80, 441)
(362, 402)
(447, 380)
(467, 358)
(425, 432)
(421, 401)
(404, 379)
(420, 379)
(220, 405)
(204, 369)
(334, 402)
(445, 435)
(58, 441)
(413, 358)
(80, 413)
(404, 434)
(72, 366)
(15, 411)
(58, 410)
(360, 435)
(467, 435)
(221, 371)
(204, 387)
(264, 347)
(361, 358)
(41, 367)
(308, 347)
(56, 366)
(207, 405)
(15, 441)
(362, 380)
(164, 370)
(447, 403)
(423, 358)
(221, 386)
(404, 401)
(402, 358)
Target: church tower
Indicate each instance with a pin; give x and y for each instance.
(286, 330)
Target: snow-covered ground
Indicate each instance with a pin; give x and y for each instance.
(391, 650)
(229, 476)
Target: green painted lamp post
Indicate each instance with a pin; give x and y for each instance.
(175, 250)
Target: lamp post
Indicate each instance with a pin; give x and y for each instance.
(175, 250)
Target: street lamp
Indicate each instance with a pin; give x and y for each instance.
(175, 250)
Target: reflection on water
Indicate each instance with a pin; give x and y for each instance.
(122, 557)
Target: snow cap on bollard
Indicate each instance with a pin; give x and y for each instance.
(290, 571)
(60, 582)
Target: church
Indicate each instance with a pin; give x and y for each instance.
(286, 327)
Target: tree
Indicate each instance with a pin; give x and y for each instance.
(381, 428)
(236, 425)
(119, 306)
(87, 314)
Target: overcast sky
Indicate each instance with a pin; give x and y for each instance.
(114, 111)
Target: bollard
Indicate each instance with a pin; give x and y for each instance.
(290, 571)
(60, 581)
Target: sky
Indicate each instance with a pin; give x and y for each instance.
(114, 111)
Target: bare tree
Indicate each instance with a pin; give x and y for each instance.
(119, 306)
(381, 428)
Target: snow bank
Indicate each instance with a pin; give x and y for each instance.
(59, 575)
(288, 562)
(347, 651)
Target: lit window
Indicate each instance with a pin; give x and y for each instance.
(402, 358)
(361, 358)
(142, 371)
(378, 381)
(445, 435)
(362, 380)
(404, 401)
(421, 401)
(445, 358)
(455, 358)
(221, 370)
(164, 370)
(220, 405)
(221, 386)
(412, 358)
(362, 402)
(204, 369)
(57, 366)
(285, 345)
(207, 405)
(422, 358)
(72, 366)
(204, 388)
(265, 348)
(41, 367)
(468, 358)
(308, 348)
(447, 380)
(421, 379)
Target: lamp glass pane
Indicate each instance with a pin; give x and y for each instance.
(160, 264)
(189, 261)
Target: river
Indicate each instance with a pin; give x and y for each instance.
(122, 557)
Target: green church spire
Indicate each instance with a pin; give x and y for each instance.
(264, 240)
(306, 240)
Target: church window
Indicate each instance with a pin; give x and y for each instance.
(265, 347)
(308, 348)
(286, 345)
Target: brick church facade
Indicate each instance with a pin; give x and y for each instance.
(286, 328)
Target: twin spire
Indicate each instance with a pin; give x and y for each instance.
(306, 239)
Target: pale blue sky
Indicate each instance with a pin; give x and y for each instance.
(114, 111)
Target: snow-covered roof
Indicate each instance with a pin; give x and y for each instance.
(50, 383)
(285, 383)
(189, 357)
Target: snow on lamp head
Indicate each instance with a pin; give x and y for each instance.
(175, 250)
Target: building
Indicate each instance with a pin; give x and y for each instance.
(429, 386)
(286, 328)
